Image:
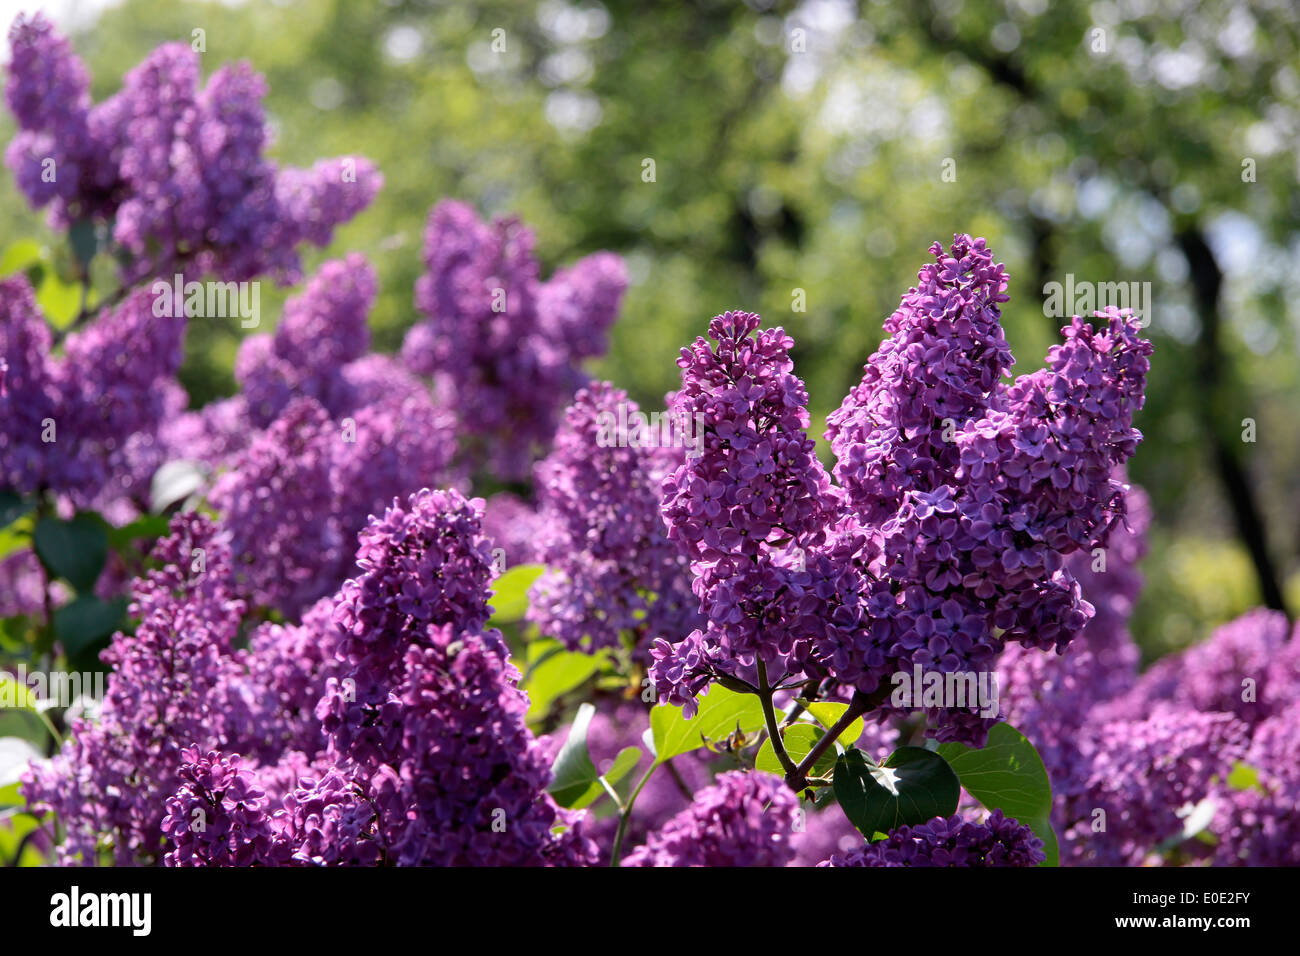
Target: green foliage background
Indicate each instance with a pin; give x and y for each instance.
(813, 161)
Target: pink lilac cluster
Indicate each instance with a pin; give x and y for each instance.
(178, 171)
(954, 841)
(960, 496)
(503, 346)
(742, 819)
(613, 579)
(69, 419)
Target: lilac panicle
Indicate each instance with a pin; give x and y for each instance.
(49, 94)
(742, 819)
(178, 170)
(746, 510)
(170, 688)
(1257, 824)
(1143, 775)
(1248, 668)
(951, 842)
(502, 345)
(277, 505)
(101, 393)
(612, 574)
(940, 363)
(321, 330)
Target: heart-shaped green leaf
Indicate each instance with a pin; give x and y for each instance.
(74, 550)
(912, 786)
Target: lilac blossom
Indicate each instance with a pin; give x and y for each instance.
(613, 578)
(742, 819)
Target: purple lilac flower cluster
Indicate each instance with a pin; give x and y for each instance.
(322, 436)
(612, 574)
(502, 345)
(955, 841)
(742, 819)
(959, 497)
(404, 743)
(171, 686)
(746, 511)
(69, 419)
(179, 171)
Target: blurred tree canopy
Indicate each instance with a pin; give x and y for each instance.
(807, 154)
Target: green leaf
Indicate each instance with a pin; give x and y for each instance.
(624, 762)
(799, 741)
(20, 256)
(1008, 775)
(12, 507)
(74, 550)
(912, 786)
(826, 713)
(573, 774)
(147, 527)
(175, 481)
(555, 673)
(59, 300)
(86, 621)
(510, 593)
(84, 242)
(1244, 777)
(720, 712)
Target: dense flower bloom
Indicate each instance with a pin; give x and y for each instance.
(612, 574)
(998, 841)
(219, 816)
(470, 781)
(69, 420)
(321, 330)
(746, 510)
(1248, 667)
(59, 131)
(502, 345)
(178, 170)
(423, 562)
(170, 689)
(1143, 775)
(1257, 824)
(743, 819)
(278, 506)
(961, 496)
(942, 359)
